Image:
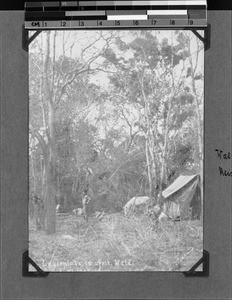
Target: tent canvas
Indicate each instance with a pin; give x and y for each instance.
(185, 193)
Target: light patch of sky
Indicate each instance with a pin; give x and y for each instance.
(72, 43)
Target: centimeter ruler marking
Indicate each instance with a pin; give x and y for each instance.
(91, 14)
(118, 23)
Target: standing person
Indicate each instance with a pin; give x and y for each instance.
(85, 206)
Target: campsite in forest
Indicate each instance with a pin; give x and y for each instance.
(116, 150)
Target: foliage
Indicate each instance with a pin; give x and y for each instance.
(119, 116)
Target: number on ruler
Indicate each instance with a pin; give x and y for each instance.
(154, 22)
(190, 22)
(117, 23)
(172, 22)
(136, 22)
(63, 23)
(100, 23)
(35, 24)
(82, 23)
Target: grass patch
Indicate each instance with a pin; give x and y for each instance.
(117, 244)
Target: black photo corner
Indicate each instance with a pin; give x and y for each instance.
(38, 272)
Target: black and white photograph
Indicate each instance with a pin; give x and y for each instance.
(116, 162)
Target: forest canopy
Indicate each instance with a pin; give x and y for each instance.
(116, 114)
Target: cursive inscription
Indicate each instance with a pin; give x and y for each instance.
(224, 172)
(222, 155)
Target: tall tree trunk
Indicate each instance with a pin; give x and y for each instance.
(42, 176)
(50, 163)
(51, 174)
(153, 158)
(149, 171)
(50, 200)
(33, 172)
(150, 145)
(163, 163)
(165, 145)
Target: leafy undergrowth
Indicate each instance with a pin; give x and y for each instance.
(117, 244)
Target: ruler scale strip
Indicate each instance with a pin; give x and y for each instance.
(100, 14)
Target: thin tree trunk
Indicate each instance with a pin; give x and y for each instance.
(165, 147)
(50, 163)
(150, 146)
(51, 175)
(49, 201)
(33, 172)
(149, 172)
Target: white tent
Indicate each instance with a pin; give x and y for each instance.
(185, 193)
